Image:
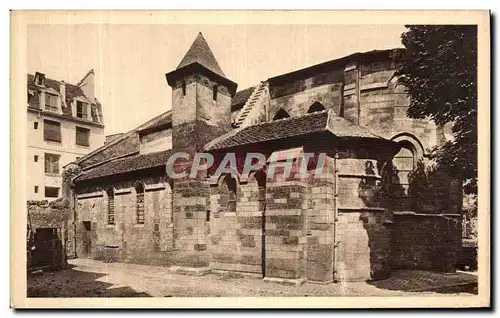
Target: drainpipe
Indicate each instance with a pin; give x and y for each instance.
(335, 215)
(73, 195)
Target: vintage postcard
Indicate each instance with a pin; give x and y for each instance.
(247, 159)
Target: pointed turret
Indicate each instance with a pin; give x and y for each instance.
(200, 59)
(200, 52)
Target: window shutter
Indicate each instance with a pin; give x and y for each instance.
(52, 130)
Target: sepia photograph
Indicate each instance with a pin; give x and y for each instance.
(289, 159)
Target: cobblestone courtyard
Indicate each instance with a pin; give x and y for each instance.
(89, 278)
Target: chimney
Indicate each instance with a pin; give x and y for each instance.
(87, 85)
(62, 91)
(112, 137)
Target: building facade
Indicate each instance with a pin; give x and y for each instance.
(356, 224)
(65, 123)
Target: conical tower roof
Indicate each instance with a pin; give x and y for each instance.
(200, 59)
(200, 52)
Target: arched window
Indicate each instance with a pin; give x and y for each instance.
(139, 205)
(403, 164)
(316, 107)
(111, 206)
(281, 114)
(232, 190)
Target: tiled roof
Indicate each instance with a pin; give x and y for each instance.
(71, 90)
(241, 97)
(200, 52)
(324, 121)
(124, 165)
(126, 143)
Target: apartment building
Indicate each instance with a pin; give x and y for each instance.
(65, 122)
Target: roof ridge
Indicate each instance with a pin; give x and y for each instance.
(54, 80)
(291, 117)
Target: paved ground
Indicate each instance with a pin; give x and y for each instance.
(90, 278)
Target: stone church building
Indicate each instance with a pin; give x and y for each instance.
(352, 226)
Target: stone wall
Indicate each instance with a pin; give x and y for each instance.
(365, 92)
(425, 241)
(236, 237)
(126, 240)
(285, 228)
(190, 204)
(321, 231)
(362, 238)
(296, 97)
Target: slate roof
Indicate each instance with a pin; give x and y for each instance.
(324, 121)
(71, 90)
(241, 97)
(128, 164)
(200, 52)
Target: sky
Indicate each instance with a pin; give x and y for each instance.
(130, 61)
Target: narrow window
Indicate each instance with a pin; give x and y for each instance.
(232, 188)
(36, 189)
(51, 192)
(35, 158)
(139, 190)
(51, 130)
(81, 109)
(51, 163)
(83, 136)
(111, 206)
(214, 92)
(208, 216)
(35, 125)
(183, 88)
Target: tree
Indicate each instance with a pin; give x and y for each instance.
(439, 72)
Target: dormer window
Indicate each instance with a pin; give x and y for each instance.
(50, 102)
(81, 109)
(39, 79)
(214, 92)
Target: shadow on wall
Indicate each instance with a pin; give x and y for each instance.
(427, 190)
(375, 194)
(75, 283)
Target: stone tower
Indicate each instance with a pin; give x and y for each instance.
(201, 98)
(201, 111)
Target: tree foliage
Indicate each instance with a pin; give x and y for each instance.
(439, 72)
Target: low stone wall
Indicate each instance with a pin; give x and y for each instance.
(425, 241)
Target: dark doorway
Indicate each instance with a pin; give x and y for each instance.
(46, 250)
(86, 239)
